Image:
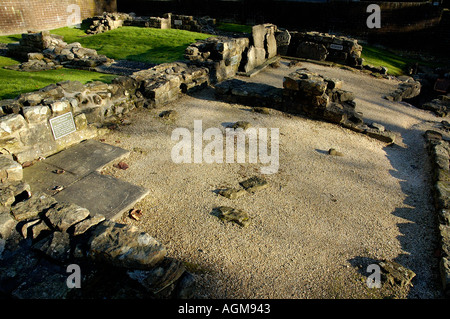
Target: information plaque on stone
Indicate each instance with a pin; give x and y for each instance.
(178, 22)
(336, 47)
(62, 125)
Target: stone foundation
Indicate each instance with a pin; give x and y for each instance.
(41, 239)
(43, 51)
(319, 46)
(308, 94)
(25, 131)
(439, 152)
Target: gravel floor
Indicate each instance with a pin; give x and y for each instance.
(323, 219)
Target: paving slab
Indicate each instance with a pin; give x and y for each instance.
(103, 194)
(73, 176)
(87, 157)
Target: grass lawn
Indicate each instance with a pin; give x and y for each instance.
(136, 44)
(14, 83)
(232, 27)
(130, 43)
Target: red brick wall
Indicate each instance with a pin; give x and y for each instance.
(18, 16)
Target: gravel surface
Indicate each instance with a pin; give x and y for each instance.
(322, 220)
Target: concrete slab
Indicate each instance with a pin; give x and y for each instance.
(103, 194)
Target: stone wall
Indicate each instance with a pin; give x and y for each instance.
(308, 94)
(221, 55)
(439, 152)
(225, 56)
(319, 46)
(25, 131)
(17, 16)
(43, 51)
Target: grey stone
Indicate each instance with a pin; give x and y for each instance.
(33, 206)
(63, 215)
(124, 246)
(161, 276)
(7, 223)
(56, 246)
(88, 223)
(102, 194)
(186, 286)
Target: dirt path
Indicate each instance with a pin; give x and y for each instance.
(323, 219)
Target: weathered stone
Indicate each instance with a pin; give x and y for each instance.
(386, 136)
(283, 39)
(124, 246)
(61, 107)
(63, 216)
(14, 191)
(333, 152)
(232, 193)
(7, 223)
(169, 115)
(241, 125)
(396, 273)
(161, 276)
(230, 214)
(442, 195)
(33, 206)
(36, 114)
(88, 223)
(10, 170)
(43, 282)
(313, 51)
(185, 287)
(254, 184)
(445, 274)
(56, 246)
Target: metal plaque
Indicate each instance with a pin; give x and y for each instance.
(62, 125)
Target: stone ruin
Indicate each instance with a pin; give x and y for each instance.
(111, 21)
(305, 93)
(319, 46)
(226, 56)
(106, 22)
(44, 51)
(24, 121)
(40, 238)
(439, 153)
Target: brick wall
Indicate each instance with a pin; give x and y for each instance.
(18, 16)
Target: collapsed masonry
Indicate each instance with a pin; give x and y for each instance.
(45, 51)
(110, 21)
(305, 93)
(40, 237)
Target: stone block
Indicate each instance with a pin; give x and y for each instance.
(124, 246)
(36, 114)
(64, 215)
(10, 170)
(32, 207)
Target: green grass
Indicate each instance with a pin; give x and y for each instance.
(232, 27)
(130, 43)
(14, 83)
(395, 63)
(136, 44)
